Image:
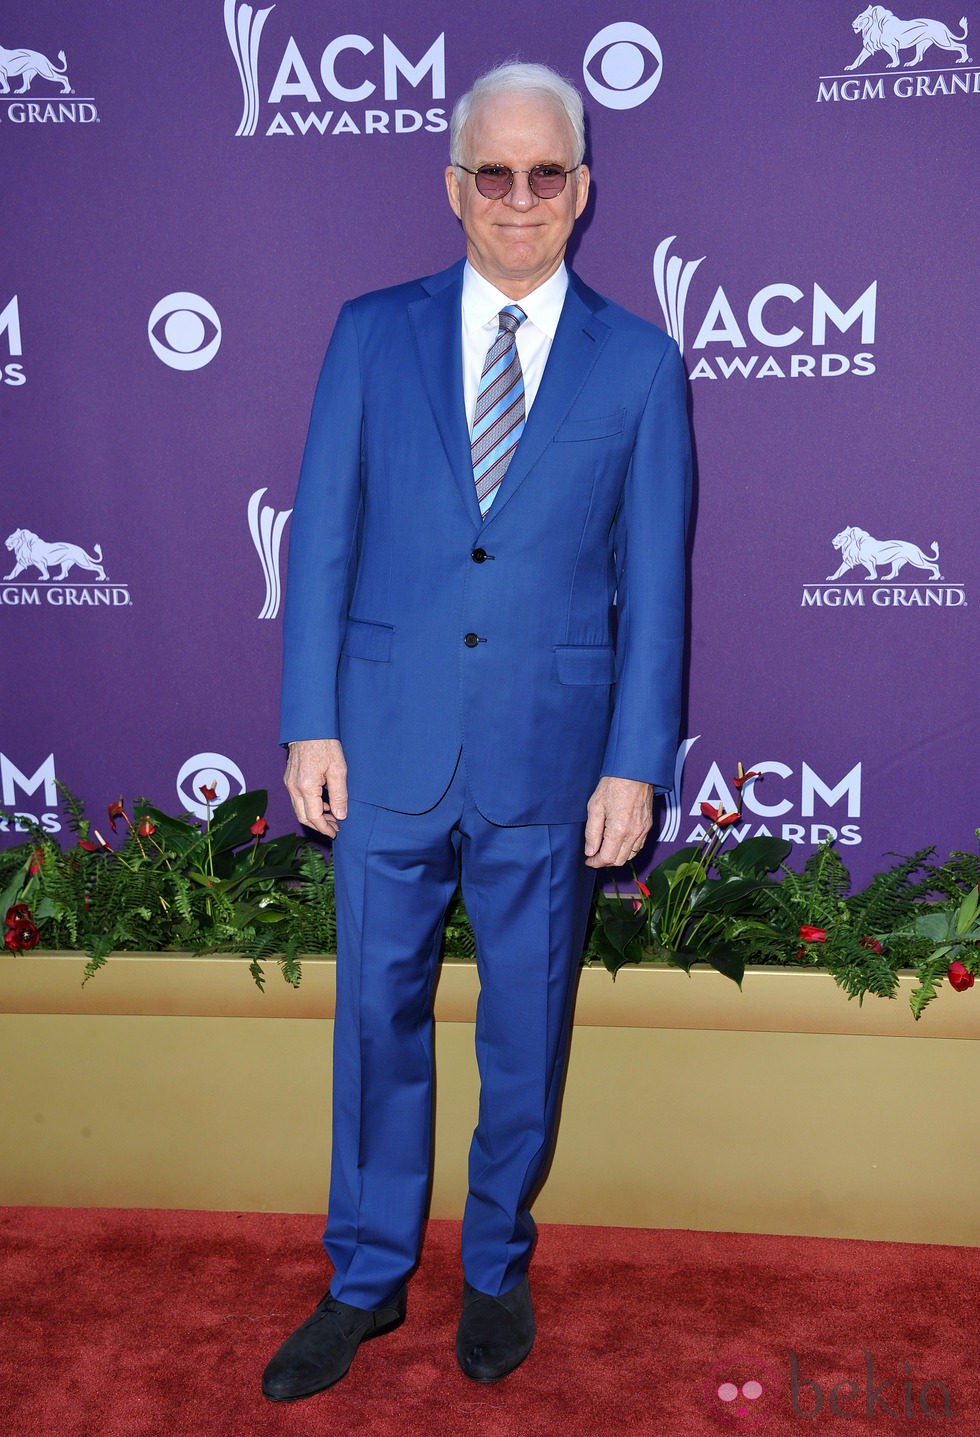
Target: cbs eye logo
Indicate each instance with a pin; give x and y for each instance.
(629, 64)
(211, 771)
(184, 331)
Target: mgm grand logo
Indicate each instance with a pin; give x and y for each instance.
(40, 108)
(55, 581)
(883, 574)
(934, 53)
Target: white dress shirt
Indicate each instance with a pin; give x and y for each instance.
(482, 303)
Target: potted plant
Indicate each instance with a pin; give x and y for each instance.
(728, 910)
(169, 1081)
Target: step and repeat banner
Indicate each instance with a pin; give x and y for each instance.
(193, 187)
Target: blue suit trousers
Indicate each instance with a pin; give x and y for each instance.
(527, 890)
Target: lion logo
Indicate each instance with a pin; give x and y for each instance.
(28, 64)
(29, 550)
(858, 548)
(881, 29)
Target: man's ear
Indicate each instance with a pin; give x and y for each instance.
(452, 189)
(582, 182)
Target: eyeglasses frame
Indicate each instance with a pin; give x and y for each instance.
(512, 173)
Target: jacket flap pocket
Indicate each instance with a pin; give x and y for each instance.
(366, 640)
(601, 428)
(585, 664)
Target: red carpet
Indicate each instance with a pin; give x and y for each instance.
(158, 1324)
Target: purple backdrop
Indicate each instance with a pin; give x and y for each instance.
(193, 187)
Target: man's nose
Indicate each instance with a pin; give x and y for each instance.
(520, 194)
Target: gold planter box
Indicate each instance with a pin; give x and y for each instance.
(172, 1081)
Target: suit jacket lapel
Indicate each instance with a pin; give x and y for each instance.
(578, 341)
(437, 323)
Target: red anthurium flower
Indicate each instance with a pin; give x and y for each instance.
(115, 811)
(868, 942)
(259, 827)
(960, 976)
(21, 936)
(210, 791)
(89, 847)
(18, 913)
(809, 934)
(146, 828)
(37, 863)
(643, 888)
(744, 777)
(719, 816)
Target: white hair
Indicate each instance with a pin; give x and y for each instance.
(516, 76)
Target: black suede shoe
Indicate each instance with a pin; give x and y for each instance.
(320, 1351)
(495, 1334)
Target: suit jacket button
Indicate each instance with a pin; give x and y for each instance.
(479, 556)
(471, 640)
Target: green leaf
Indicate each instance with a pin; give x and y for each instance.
(968, 911)
(12, 891)
(231, 821)
(681, 959)
(623, 929)
(723, 895)
(759, 855)
(616, 940)
(727, 960)
(934, 926)
(692, 872)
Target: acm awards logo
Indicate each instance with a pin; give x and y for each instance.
(766, 326)
(266, 528)
(56, 581)
(883, 574)
(43, 782)
(11, 372)
(933, 50)
(800, 807)
(350, 85)
(33, 74)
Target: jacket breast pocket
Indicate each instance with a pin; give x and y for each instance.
(367, 640)
(585, 664)
(602, 427)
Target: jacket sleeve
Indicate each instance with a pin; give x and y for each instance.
(323, 544)
(651, 563)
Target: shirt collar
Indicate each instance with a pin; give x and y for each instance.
(482, 301)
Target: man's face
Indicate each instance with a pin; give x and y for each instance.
(517, 242)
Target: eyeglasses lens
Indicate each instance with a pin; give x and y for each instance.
(545, 181)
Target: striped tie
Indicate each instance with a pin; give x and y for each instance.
(499, 416)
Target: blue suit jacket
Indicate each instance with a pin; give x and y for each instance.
(405, 642)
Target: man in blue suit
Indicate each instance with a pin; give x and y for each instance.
(483, 639)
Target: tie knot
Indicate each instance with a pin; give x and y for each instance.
(511, 318)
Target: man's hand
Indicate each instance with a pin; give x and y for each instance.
(312, 765)
(620, 817)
